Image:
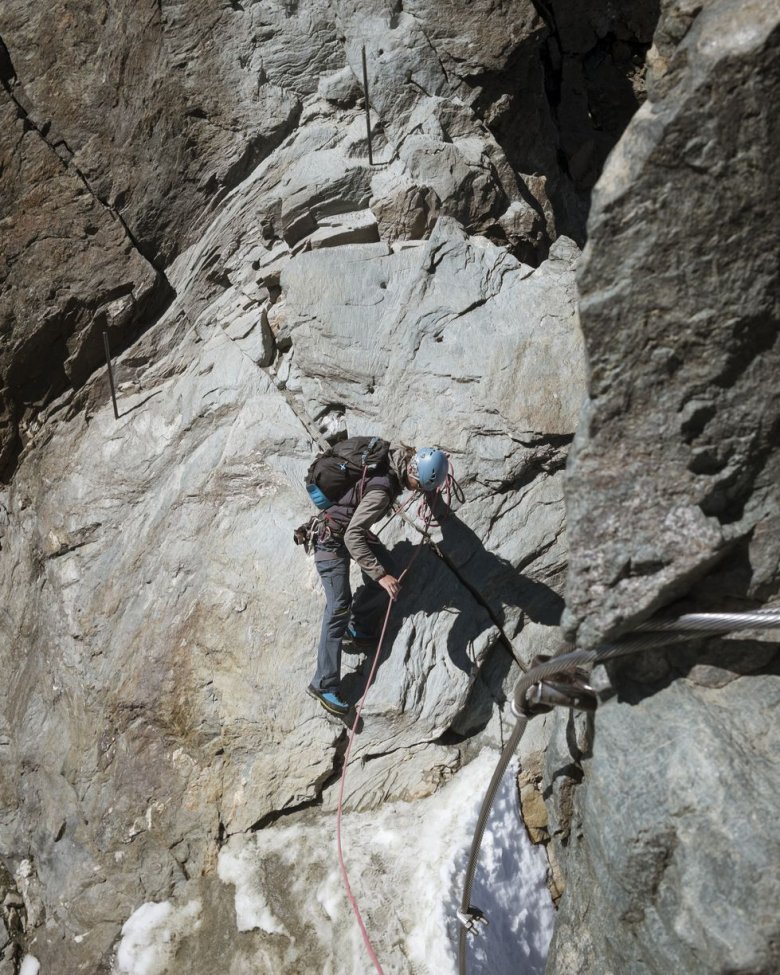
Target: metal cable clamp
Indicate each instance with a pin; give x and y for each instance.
(472, 919)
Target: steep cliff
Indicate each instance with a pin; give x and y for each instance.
(127, 125)
(194, 179)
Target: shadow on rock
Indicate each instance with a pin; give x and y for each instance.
(709, 663)
(474, 588)
(494, 581)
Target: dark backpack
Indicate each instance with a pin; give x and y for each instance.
(344, 465)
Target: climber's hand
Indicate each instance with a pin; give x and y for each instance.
(391, 585)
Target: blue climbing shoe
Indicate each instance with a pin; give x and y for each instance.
(329, 700)
(358, 639)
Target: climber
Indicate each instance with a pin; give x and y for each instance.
(346, 535)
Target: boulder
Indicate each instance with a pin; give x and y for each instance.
(404, 209)
(341, 88)
(476, 35)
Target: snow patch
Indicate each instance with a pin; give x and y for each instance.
(29, 966)
(150, 936)
(406, 863)
(239, 867)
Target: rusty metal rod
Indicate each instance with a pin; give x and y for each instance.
(110, 373)
(368, 108)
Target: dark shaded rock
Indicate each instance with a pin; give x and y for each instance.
(71, 270)
(670, 843)
(162, 107)
(121, 124)
(561, 99)
(677, 457)
(13, 924)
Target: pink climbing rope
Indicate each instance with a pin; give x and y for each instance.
(358, 711)
(344, 875)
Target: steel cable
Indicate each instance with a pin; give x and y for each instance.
(479, 831)
(652, 633)
(755, 619)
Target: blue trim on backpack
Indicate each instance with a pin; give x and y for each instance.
(318, 497)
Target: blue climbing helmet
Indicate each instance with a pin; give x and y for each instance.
(430, 467)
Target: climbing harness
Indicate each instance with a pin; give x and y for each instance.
(535, 693)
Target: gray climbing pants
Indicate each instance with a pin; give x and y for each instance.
(364, 611)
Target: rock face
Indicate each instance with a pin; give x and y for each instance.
(673, 491)
(133, 123)
(663, 867)
(175, 700)
(678, 459)
(159, 107)
(71, 271)
(194, 179)
(115, 138)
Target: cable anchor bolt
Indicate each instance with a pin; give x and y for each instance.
(566, 690)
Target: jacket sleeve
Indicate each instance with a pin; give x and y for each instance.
(374, 505)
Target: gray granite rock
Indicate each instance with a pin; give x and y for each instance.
(155, 113)
(671, 844)
(664, 813)
(148, 585)
(71, 271)
(167, 622)
(342, 87)
(160, 107)
(676, 459)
